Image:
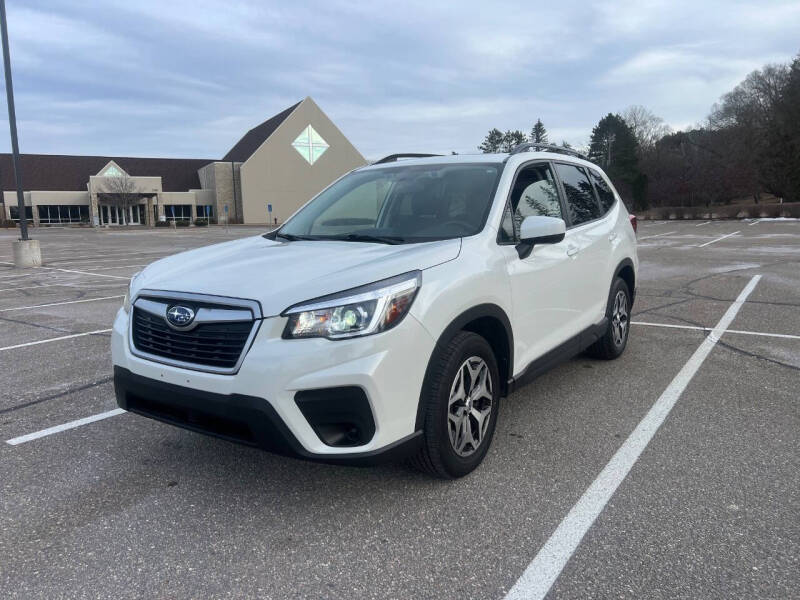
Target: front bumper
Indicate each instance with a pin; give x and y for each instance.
(258, 405)
(238, 418)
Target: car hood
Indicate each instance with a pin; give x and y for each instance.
(279, 274)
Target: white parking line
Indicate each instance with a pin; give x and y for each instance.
(61, 303)
(701, 224)
(718, 239)
(58, 428)
(655, 236)
(84, 273)
(18, 275)
(55, 339)
(754, 222)
(60, 284)
(551, 559)
(739, 331)
(73, 271)
(120, 267)
(105, 257)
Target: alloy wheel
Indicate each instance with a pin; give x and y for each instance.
(619, 318)
(470, 406)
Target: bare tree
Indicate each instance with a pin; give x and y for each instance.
(121, 192)
(647, 127)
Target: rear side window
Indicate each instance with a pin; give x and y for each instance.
(534, 194)
(604, 192)
(581, 202)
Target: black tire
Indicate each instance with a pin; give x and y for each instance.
(610, 346)
(438, 457)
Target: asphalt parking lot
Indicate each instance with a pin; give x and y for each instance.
(707, 505)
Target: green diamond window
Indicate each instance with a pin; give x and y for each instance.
(112, 171)
(310, 145)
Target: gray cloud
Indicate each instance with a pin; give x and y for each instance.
(187, 78)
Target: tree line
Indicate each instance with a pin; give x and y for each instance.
(497, 141)
(748, 146)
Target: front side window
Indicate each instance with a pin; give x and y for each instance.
(581, 202)
(534, 194)
(604, 191)
(400, 204)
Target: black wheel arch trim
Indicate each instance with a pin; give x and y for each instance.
(626, 262)
(478, 311)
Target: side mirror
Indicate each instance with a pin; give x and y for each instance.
(539, 230)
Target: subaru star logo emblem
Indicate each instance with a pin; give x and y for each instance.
(179, 316)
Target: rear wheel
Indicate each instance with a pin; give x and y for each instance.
(460, 399)
(612, 344)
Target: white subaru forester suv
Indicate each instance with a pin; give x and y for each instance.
(390, 314)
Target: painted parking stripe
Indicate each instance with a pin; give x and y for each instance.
(55, 339)
(551, 559)
(18, 275)
(74, 271)
(84, 273)
(120, 267)
(62, 303)
(718, 239)
(58, 428)
(70, 283)
(655, 236)
(754, 222)
(701, 224)
(739, 331)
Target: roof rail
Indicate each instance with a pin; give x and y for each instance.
(396, 157)
(538, 147)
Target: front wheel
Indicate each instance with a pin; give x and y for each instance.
(612, 344)
(461, 399)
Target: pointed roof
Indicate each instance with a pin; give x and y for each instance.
(111, 169)
(253, 139)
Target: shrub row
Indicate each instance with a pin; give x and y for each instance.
(733, 211)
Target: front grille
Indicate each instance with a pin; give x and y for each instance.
(217, 345)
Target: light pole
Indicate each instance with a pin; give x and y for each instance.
(26, 252)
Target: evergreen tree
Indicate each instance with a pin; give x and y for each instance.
(511, 139)
(613, 146)
(493, 142)
(539, 133)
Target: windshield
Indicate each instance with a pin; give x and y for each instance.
(400, 204)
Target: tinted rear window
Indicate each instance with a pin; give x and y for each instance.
(581, 202)
(604, 192)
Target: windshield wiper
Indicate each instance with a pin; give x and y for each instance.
(293, 238)
(365, 237)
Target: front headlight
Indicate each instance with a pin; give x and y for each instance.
(360, 311)
(126, 303)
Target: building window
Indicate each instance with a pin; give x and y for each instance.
(112, 171)
(14, 210)
(62, 213)
(178, 212)
(310, 145)
(205, 210)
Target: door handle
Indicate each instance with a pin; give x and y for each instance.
(572, 250)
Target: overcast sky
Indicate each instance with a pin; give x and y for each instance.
(184, 78)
